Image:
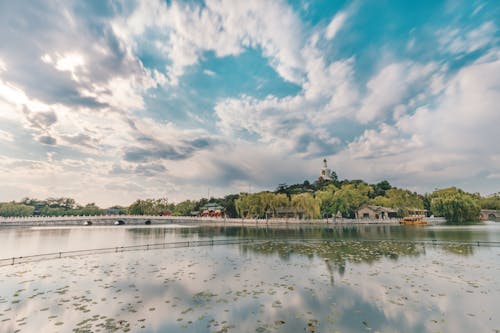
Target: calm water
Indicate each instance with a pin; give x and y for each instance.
(282, 284)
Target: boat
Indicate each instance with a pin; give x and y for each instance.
(413, 220)
(119, 222)
(87, 222)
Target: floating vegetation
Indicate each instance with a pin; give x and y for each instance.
(272, 286)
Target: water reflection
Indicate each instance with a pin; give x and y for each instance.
(46, 239)
(273, 286)
(340, 281)
(336, 255)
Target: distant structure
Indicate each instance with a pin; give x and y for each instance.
(326, 173)
(373, 212)
(212, 210)
(490, 215)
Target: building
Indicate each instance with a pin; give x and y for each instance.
(212, 210)
(285, 212)
(376, 212)
(325, 173)
(490, 215)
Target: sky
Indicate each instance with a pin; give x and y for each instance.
(108, 101)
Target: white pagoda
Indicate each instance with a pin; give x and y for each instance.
(325, 172)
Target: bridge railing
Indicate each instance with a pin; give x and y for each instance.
(116, 249)
(186, 219)
(213, 242)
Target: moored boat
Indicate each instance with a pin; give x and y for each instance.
(413, 220)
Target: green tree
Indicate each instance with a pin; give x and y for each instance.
(228, 202)
(184, 208)
(245, 205)
(8, 209)
(350, 197)
(260, 205)
(326, 200)
(305, 204)
(381, 188)
(64, 203)
(148, 207)
(403, 200)
(380, 201)
(53, 211)
(89, 209)
(116, 209)
(455, 205)
(279, 202)
(490, 202)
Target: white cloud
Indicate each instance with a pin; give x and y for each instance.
(209, 72)
(72, 127)
(297, 124)
(3, 66)
(421, 119)
(462, 40)
(390, 86)
(6, 136)
(72, 62)
(12, 94)
(385, 141)
(466, 111)
(225, 27)
(335, 25)
(454, 140)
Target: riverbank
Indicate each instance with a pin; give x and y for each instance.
(100, 220)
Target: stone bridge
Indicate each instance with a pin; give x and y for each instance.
(144, 219)
(490, 215)
(97, 220)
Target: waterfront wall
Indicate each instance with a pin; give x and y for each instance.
(156, 220)
(141, 219)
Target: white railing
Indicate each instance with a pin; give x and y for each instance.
(140, 219)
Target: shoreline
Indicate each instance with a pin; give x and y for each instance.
(137, 220)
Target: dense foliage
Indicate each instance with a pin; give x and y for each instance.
(490, 202)
(48, 207)
(149, 207)
(403, 201)
(455, 205)
(15, 209)
(306, 200)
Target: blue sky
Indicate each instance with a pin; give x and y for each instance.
(109, 101)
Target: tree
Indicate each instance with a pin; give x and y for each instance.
(259, 205)
(279, 202)
(228, 202)
(381, 201)
(403, 200)
(64, 203)
(455, 205)
(15, 209)
(118, 209)
(184, 208)
(381, 187)
(305, 204)
(326, 200)
(490, 202)
(246, 205)
(148, 207)
(89, 209)
(53, 211)
(350, 197)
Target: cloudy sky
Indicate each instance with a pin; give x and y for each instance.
(110, 101)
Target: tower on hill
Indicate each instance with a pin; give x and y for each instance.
(325, 173)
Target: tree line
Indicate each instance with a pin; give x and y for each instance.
(320, 199)
(48, 207)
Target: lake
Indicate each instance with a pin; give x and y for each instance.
(290, 279)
